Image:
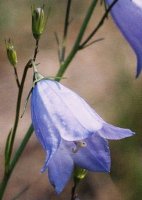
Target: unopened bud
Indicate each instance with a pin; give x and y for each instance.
(79, 173)
(38, 22)
(11, 53)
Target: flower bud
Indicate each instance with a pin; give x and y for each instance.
(11, 53)
(38, 22)
(79, 174)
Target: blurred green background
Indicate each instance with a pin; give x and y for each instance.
(103, 74)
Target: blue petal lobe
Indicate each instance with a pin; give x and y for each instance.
(114, 133)
(45, 129)
(95, 156)
(60, 168)
(127, 14)
(68, 111)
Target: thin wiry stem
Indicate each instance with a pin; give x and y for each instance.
(20, 92)
(58, 45)
(75, 48)
(21, 193)
(7, 172)
(36, 50)
(28, 65)
(16, 77)
(93, 42)
(101, 22)
(16, 157)
(66, 26)
(74, 195)
(11, 164)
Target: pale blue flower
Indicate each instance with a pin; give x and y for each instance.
(127, 14)
(70, 131)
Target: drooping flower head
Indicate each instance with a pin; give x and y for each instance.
(70, 131)
(127, 14)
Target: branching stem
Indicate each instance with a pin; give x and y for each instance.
(101, 22)
(11, 163)
(66, 26)
(16, 77)
(18, 108)
(75, 48)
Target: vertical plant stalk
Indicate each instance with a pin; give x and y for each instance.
(77, 42)
(7, 171)
(28, 65)
(36, 50)
(66, 26)
(18, 105)
(101, 22)
(21, 147)
(16, 77)
(11, 164)
(14, 161)
(73, 192)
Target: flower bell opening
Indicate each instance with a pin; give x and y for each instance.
(79, 144)
(71, 132)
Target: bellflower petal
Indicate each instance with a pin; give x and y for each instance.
(66, 110)
(46, 132)
(60, 168)
(127, 14)
(70, 131)
(111, 132)
(95, 156)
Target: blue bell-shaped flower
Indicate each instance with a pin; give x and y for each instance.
(127, 14)
(70, 131)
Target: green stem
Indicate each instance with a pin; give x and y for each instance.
(21, 147)
(66, 26)
(104, 17)
(16, 157)
(16, 77)
(18, 108)
(36, 50)
(18, 105)
(77, 42)
(7, 172)
(4, 184)
(11, 165)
